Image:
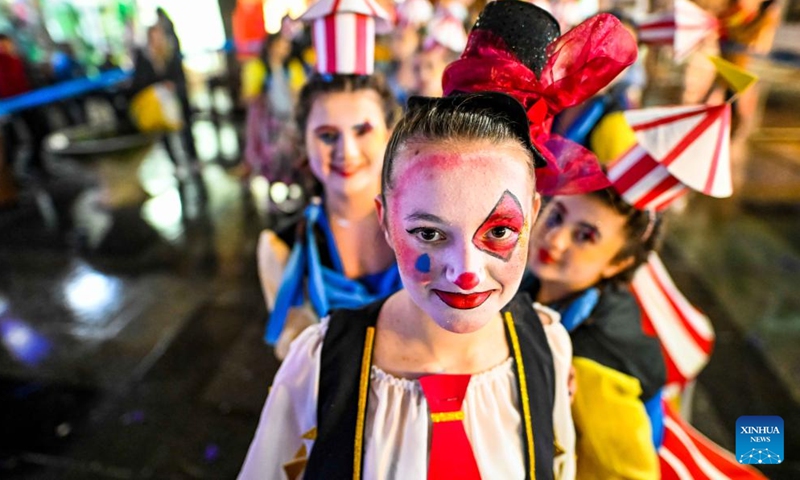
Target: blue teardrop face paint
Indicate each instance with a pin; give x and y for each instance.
(423, 263)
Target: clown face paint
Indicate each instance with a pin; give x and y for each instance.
(423, 263)
(457, 218)
(575, 243)
(346, 137)
(494, 236)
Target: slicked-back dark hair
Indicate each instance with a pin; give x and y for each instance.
(458, 120)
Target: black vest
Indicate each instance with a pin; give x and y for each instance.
(344, 374)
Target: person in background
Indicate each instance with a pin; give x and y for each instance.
(334, 255)
(444, 42)
(583, 254)
(404, 42)
(14, 81)
(272, 143)
(163, 20)
(158, 62)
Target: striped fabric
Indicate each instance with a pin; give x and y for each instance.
(344, 34)
(686, 454)
(345, 44)
(686, 335)
(643, 182)
(659, 29)
(691, 141)
(684, 28)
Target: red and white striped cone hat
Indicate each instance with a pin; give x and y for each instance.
(684, 27)
(643, 182)
(344, 35)
(678, 148)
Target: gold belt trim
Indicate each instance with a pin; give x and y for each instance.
(440, 417)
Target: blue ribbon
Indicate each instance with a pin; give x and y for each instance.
(579, 309)
(327, 288)
(655, 412)
(62, 91)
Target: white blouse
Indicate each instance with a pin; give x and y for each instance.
(397, 427)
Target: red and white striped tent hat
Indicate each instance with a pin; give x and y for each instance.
(678, 148)
(344, 34)
(684, 28)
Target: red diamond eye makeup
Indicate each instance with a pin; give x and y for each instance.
(499, 233)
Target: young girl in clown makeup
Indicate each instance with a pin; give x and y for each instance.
(335, 256)
(584, 252)
(356, 397)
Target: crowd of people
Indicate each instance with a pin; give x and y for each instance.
(458, 299)
(156, 64)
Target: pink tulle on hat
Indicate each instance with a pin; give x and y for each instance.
(546, 73)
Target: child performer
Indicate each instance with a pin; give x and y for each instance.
(443, 43)
(584, 254)
(345, 114)
(452, 375)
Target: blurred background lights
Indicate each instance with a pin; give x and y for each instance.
(91, 295)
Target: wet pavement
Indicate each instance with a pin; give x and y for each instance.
(131, 331)
(131, 322)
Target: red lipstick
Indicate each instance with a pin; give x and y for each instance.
(545, 257)
(341, 171)
(463, 301)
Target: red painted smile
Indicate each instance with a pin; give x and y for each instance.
(545, 258)
(463, 301)
(345, 172)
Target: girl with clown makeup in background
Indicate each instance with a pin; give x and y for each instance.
(584, 252)
(592, 260)
(451, 377)
(338, 256)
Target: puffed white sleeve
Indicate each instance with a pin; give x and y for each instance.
(287, 427)
(561, 347)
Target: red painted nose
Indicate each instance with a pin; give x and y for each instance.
(467, 281)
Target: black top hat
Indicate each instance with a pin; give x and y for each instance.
(495, 103)
(526, 29)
